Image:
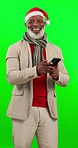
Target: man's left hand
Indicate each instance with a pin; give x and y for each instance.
(54, 73)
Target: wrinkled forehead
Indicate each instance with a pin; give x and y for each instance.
(36, 17)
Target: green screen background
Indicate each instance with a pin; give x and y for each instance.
(63, 31)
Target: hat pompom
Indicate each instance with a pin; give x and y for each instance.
(48, 22)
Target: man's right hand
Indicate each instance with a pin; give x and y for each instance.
(43, 67)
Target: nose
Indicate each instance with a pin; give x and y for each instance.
(35, 23)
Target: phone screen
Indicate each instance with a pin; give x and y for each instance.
(55, 61)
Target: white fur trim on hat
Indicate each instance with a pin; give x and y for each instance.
(33, 14)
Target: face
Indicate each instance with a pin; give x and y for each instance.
(35, 25)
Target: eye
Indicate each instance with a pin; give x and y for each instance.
(40, 21)
(30, 22)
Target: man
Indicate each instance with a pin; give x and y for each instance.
(33, 104)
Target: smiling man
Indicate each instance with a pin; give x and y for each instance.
(33, 107)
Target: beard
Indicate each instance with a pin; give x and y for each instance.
(36, 36)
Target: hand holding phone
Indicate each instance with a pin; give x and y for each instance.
(55, 61)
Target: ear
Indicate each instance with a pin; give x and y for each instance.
(26, 24)
(44, 23)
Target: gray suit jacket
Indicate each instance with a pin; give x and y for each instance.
(20, 73)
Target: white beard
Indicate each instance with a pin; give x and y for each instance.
(35, 36)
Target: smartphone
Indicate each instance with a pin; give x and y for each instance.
(55, 61)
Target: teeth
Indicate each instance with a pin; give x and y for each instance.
(36, 29)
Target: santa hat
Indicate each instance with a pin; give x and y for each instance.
(37, 11)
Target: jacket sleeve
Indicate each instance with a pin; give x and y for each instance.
(63, 75)
(14, 74)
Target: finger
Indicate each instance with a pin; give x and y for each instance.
(56, 66)
(44, 61)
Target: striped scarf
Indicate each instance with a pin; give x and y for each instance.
(39, 44)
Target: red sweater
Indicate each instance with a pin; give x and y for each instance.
(39, 87)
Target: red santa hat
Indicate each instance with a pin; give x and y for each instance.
(37, 11)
